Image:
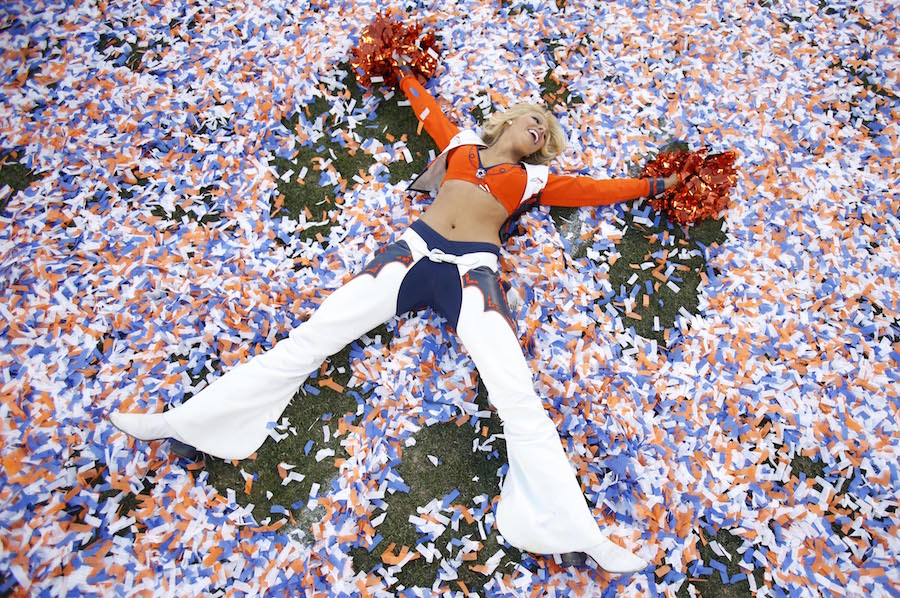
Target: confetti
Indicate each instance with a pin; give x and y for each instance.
(147, 249)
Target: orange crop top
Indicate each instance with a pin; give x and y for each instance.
(506, 182)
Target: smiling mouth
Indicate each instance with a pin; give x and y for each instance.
(535, 135)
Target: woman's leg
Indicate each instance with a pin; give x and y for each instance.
(542, 508)
(230, 417)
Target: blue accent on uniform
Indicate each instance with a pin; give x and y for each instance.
(488, 282)
(511, 225)
(395, 252)
(437, 284)
(432, 284)
(657, 186)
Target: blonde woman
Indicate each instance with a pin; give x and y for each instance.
(448, 260)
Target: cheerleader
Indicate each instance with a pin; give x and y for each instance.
(446, 260)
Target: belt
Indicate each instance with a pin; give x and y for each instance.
(468, 260)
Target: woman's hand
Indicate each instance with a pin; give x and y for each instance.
(671, 180)
(401, 67)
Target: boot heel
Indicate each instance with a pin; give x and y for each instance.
(573, 559)
(612, 558)
(186, 451)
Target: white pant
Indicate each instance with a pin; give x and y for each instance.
(542, 509)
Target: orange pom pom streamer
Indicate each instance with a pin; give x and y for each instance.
(704, 188)
(384, 42)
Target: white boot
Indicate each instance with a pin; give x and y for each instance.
(614, 559)
(144, 426)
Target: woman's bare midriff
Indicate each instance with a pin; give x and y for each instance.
(463, 211)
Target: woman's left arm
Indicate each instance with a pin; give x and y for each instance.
(578, 191)
(427, 110)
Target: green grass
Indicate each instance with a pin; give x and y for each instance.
(637, 247)
(395, 124)
(115, 47)
(308, 414)
(473, 474)
(193, 213)
(13, 174)
(712, 586)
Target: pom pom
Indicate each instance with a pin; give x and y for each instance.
(704, 188)
(386, 44)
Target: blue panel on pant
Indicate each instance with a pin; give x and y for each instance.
(488, 282)
(432, 284)
(395, 252)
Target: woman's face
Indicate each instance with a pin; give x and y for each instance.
(528, 131)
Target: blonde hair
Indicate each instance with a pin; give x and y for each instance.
(556, 138)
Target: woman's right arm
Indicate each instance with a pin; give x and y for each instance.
(428, 111)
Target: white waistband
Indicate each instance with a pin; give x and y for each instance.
(466, 262)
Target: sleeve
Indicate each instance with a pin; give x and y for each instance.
(429, 112)
(578, 191)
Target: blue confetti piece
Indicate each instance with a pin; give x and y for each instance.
(375, 542)
(449, 498)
